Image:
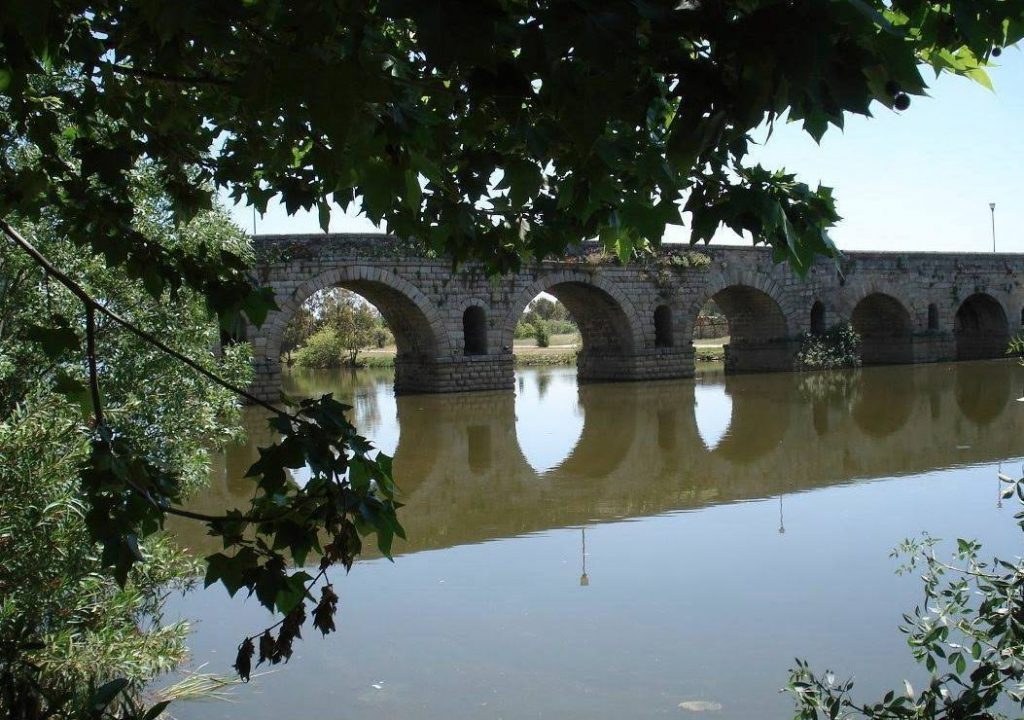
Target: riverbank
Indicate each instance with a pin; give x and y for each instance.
(561, 352)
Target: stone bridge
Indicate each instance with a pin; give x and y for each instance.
(454, 328)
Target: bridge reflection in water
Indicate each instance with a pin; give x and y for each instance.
(481, 466)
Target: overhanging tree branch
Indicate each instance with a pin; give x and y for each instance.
(93, 305)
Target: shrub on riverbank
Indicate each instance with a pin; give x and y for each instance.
(837, 347)
(323, 350)
(542, 334)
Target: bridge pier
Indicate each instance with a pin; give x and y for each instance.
(935, 347)
(448, 375)
(767, 356)
(649, 364)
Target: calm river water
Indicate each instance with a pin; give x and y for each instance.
(615, 551)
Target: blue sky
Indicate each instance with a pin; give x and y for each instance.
(918, 180)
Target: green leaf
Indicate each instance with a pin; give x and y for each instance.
(624, 248)
(980, 76)
(106, 693)
(154, 712)
(413, 192)
(291, 592)
(5, 78)
(324, 210)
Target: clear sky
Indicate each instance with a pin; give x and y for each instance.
(918, 180)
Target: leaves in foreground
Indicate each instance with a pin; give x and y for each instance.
(349, 495)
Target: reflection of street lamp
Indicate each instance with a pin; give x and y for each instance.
(782, 525)
(992, 207)
(584, 580)
(999, 486)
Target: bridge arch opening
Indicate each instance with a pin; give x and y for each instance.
(474, 330)
(885, 330)
(663, 327)
(546, 323)
(335, 327)
(981, 328)
(757, 329)
(607, 327)
(406, 326)
(818, 324)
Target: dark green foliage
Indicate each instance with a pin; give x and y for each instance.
(80, 628)
(596, 122)
(524, 330)
(837, 347)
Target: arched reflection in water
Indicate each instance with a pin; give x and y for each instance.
(369, 392)
(546, 438)
(712, 408)
(982, 397)
(883, 401)
(760, 417)
(481, 466)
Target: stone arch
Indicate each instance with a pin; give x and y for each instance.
(475, 328)
(609, 324)
(981, 328)
(759, 327)
(419, 330)
(885, 328)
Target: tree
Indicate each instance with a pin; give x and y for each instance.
(353, 320)
(541, 333)
(67, 628)
(497, 130)
(300, 327)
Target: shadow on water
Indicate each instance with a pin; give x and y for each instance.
(469, 472)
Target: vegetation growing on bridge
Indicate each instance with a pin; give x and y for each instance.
(837, 347)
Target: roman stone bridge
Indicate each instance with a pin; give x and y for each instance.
(454, 329)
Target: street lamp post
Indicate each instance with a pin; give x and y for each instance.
(992, 207)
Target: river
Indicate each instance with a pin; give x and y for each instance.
(632, 550)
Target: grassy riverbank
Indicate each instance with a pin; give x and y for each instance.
(561, 351)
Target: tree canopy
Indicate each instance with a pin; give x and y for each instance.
(498, 130)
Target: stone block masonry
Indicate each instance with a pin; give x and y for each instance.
(454, 329)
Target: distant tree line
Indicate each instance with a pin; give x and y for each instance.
(332, 328)
(544, 318)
